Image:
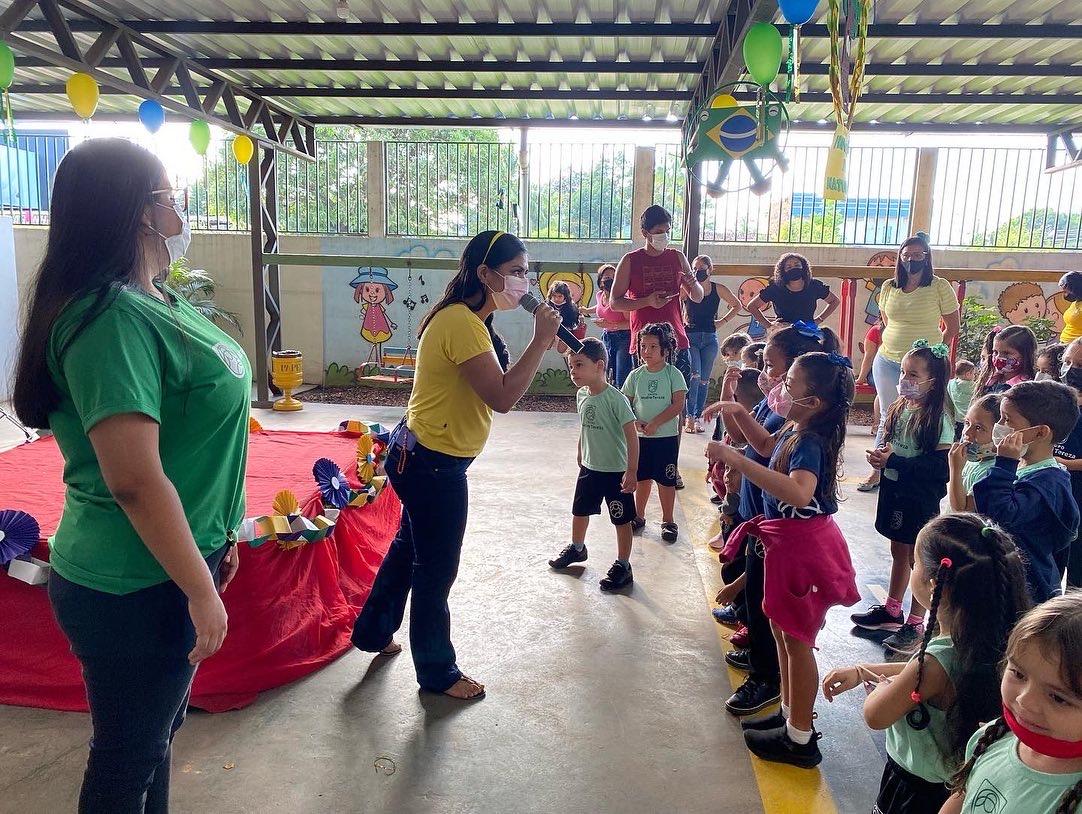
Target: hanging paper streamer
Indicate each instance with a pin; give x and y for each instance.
(243, 149)
(7, 76)
(83, 94)
(844, 93)
(152, 115)
(796, 13)
(199, 136)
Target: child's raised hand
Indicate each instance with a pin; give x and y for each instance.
(629, 482)
(721, 408)
(1011, 446)
(957, 455)
(839, 681)
(718, 451)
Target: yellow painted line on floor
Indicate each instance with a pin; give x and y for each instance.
(783, 789)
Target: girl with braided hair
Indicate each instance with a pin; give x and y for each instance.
(1029, 760)
(969, 573)
(807, 568)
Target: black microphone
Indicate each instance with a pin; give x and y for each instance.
(531, 304)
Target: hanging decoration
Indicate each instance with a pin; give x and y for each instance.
(7, 76)
(243, 149)
(762, 53)
(846, 79)
(796, 13)
(199, 136)
(152, 115)
(83, 94)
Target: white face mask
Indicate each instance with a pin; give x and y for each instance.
(178, 244)
(659, 242)
(1000, 433)
(1044, 377)
(514, 288)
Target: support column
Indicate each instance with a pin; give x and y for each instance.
(523, 182)
(642, 191)
(266, 284)
(377, 183)
(923, 186)
(693, 201)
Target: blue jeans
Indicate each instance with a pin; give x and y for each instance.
(617, 345)
(423, 558)
(703, 352)
(133, 649)
(886, 374)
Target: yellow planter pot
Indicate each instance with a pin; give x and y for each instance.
(287, 373)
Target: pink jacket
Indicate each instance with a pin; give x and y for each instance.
(808, 571)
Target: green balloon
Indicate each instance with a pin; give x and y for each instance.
(199, 136)
(762, 52)
(7, 66)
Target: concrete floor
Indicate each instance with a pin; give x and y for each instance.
(595, 703)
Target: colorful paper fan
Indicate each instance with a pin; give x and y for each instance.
(285, 502)
(351, 427)
(254, 426)
(19, 533)
(332, 483)
(366, 458)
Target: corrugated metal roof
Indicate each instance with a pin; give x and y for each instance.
(660, 48)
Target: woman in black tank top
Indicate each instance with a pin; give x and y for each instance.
(701, 323)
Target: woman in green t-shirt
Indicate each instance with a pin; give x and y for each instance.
(148, 402)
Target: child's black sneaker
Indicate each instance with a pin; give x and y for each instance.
(619, 576)
(906, 641)
(669, 532)
(740, 659)
(638, 524)
(569, 556)
(877, 617)
(776, 746)
(754, 695)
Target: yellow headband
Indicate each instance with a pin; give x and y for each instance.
(491, 243)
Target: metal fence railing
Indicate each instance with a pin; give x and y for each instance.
(580, 191)
(670, 184)
(327, 196)
(27, 167)
(449, 189)
(218, 198)
(1000, 197)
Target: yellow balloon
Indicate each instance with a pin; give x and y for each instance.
(243, 149)
(83, 94)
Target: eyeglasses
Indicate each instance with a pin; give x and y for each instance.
(177, 197)
(914, 256)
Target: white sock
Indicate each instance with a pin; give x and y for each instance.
(785, 712)
(798, 736)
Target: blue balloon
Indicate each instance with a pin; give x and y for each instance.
(797, 12)
(152, 115)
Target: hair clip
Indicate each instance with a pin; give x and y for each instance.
(920, 344)
(940, 351)
(837, 359)
(805, 327)
(946, 561)
(914, 697)
(988, 531)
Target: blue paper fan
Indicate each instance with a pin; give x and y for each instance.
(19, 533)
(332, 483)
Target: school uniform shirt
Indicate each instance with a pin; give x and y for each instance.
(960, 394)
(651, 394)
(1072, 323)
(922, 752)
(602, 440)
(794, 306)
(1070, 449)
(751, 496)
(973, 471)
(167, 362)
(1035, 504)
(1000, 783)
(444, 411)
(808, 454)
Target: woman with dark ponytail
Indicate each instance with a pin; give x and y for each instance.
(463, 375)
(1029, 760)
(969, 573)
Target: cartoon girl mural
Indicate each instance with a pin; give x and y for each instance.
(887, 259)
(748, 291)
(372, 289)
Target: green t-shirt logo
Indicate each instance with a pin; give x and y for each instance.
(589, 416)
(988, 799)
(651, 388)
(231, 359)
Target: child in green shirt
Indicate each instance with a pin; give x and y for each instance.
(960, 392)
(608, 458)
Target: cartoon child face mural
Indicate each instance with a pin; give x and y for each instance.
(1022, 301)
(748, 291)
(373, 289)
(1057, 306)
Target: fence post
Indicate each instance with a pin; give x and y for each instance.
(523, 182)
(377, 184)
(923, 186)
(642, 188)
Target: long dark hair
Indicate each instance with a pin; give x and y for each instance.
(833, 384)
(466, 286)
(979, 567)
(1019, 338)
(100, 194)
(1055, 627)
(928, 426)
(900, 277)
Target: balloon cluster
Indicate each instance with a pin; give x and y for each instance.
(763, 44)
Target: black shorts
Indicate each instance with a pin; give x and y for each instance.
(901, 792)
(657, 459)
(593, 488)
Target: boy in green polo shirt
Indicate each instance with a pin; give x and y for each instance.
(608, 457)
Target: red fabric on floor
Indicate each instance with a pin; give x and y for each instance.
(290, 612)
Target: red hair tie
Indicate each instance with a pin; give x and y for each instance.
(946, 562)
(914, 697)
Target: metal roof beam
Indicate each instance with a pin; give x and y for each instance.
(959, 31)
(200, 87)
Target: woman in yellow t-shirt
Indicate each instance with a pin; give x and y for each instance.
(463, 374)
(1071, 286)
